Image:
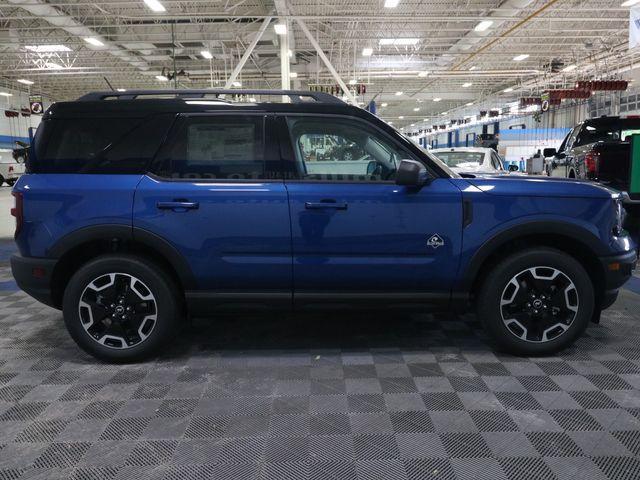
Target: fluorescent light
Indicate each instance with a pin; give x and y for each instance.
(401, 117)
(25, 81)
(293, 74)
(384, 104)
(472, 68)
(466, 85)
(445, 113)
(390, 122)
(353, 81)
(121, 89)
(290, 53)
(237, 84)
(93, 41)
(47, 48)
(367, 52)
(155, 5)
(280, 28)
(6, 94)
(53, 66)
(416, 109)
(571, 68)
(206, 54)
(398, 41)
(412, 125)
(483, 25)
(630, 3)
(162, 78)
(519, 58)
(423, 74)
(437, 99)
(469, 104)
(399, 93)
(508, 90)
(391, 3)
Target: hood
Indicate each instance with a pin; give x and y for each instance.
(536, 186)
(467, 167)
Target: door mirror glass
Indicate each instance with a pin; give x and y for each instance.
(411, 173)
(549, 152)
(513, 168)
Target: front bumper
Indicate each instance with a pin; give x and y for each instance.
(33, 275)
(618, 269)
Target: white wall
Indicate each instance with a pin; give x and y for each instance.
(16, 128)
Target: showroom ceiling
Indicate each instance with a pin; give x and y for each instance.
(441, 54)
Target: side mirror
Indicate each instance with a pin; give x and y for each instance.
(549, 152)
(513, 168)
(411, 174)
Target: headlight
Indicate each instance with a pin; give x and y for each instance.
(620, 214)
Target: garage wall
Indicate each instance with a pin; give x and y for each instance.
(12, 129)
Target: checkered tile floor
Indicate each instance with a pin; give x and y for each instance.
(319, 397)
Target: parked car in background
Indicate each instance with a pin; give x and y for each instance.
(597, 149)
(10, 167)
(471, 160)
(170, 207)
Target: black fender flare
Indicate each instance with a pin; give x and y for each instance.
(127, 234)
(576, 233)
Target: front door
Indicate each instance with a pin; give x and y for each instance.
(216, 194)
(356, 234)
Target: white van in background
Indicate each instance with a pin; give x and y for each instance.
(10, 168)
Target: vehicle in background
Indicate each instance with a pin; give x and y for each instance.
(487, 140)
(471, 160)
(597, 149)
(10, 167)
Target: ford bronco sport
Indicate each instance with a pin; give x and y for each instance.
(143, 207)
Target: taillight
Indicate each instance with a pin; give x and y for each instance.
(18, 210)
(592, 162)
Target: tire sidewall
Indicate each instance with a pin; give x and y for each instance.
(493, 288)
(155, 279)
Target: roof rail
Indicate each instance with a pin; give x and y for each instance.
(296, 96)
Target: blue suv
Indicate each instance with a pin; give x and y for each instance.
(143, 208)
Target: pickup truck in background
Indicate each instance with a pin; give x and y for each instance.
(597, 149)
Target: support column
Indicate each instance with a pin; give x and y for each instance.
(285, 72)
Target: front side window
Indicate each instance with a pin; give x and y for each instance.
(223, 147)
(342, 150)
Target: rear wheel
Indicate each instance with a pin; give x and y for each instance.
(1, 180)
(120, 308)
(536, 302)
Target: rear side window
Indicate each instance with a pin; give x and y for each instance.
(98, 145)
(223, 147)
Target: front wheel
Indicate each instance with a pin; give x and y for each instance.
(121, 308)
(536, 302)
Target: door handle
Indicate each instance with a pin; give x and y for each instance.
(178, 205)
(325, 204)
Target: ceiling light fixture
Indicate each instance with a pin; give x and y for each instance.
(469, 104)
(467, 84)
(416, 109)
(53, 66)
(472, 68)
(24, 81)
(437, 99)
(399, 93)
(293, 74)
(280, 28)
(93, 41)
(121, 89)
(237, 84)
(384, 104)
(155, 5)
(6, 94)
(353, 81)
(519, 58)
(206, 54)
(391, 3)
(571, 68)
(47, 48)
(483, 25)
(162, 78)
(390, 122)
(423, 74)
(401, 117)
(508, 90)
(367, 52)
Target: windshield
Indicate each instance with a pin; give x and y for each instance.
(454, 159)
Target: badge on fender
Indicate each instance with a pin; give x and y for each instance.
(435, 241)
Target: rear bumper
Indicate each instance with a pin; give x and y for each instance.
(33, 275)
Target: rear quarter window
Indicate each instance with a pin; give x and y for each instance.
(98, 145)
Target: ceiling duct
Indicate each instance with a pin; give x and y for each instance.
(57, 18)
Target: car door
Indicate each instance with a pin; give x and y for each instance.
(355, 233)
(216, 194)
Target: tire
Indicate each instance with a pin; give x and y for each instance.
(95, 290)
(564, 305)
(1, 180)
(11, 182)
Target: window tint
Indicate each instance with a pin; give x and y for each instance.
(103, 145)
(216, 147)
(342, 150)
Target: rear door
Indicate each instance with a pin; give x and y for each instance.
(215, 192)
(356, 234)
